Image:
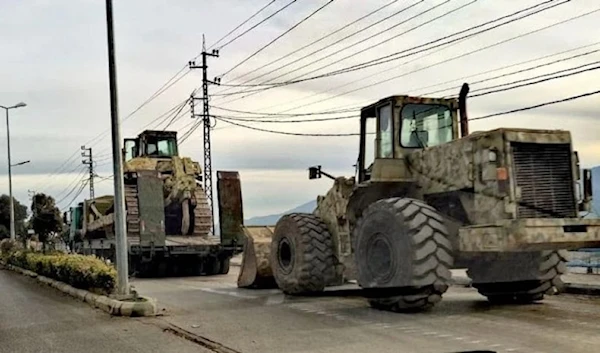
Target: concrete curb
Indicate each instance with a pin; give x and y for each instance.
(582, 288)
(112, 306)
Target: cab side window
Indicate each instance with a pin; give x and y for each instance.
(386, 132)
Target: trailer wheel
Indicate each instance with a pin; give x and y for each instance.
(403, 255)
(224, 266)
(536, 274)
(302, 254)
(211, 266)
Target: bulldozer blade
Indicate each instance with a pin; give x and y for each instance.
(256, 269)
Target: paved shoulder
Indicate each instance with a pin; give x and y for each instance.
(35, 318)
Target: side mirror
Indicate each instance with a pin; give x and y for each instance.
(586, 203)
(314, 172)
(317, 173)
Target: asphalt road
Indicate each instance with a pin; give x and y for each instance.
(266, 321)
(37, 318)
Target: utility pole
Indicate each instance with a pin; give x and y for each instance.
(206, 124)
(119, 203)
(90, 163)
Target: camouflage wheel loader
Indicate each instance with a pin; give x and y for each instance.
(428, 197)
(169, 221)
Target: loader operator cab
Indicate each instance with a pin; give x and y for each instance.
(395, 126)
(152, 144)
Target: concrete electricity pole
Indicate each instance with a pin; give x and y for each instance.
(120, 228)
(12, 206)
(90, 163)
(206, 124)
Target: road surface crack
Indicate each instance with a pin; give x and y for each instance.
(190, 336)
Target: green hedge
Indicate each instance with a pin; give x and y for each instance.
(79, 271)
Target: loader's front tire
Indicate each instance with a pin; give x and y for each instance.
(543, 268)
(302, 254)
(403, 254)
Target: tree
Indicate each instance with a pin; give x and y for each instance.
(20, 215)
(46, 220)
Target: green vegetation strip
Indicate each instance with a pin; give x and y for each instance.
(87, 278)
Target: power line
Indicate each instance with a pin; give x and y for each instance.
(399, 34)
(379, 43)
(450, 59)
(256, 25)
(463, 78)
(337, 41)
(314, 42)
(254, 119)
(77, 178)
(397, 55)
(410, 51)
(166, 115)
(243, 23)
(187, 134)
(278, 37)
(72, 190)
(76, 196)
(535, 82)
(360, 79)
(176, 116)
(165, 86)
(285, 132)
(537, 105)
(156, 94)
(290, 115)
(59, 169)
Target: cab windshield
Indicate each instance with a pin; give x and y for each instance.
(161, 147)
(425, 125)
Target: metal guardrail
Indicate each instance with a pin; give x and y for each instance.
(590, 262)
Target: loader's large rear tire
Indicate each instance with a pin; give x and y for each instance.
(302, 254)
(403, 252)
(537, 273)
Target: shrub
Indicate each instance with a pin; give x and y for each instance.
(80, 271)
(7, 246)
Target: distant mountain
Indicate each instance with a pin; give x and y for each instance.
(269, 220)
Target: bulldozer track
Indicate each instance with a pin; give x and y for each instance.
(202, 212)
(133, 212)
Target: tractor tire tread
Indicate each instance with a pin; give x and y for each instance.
(317, 268)
(431, 257)
(551, 266)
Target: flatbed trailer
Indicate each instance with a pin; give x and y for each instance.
(153, 253)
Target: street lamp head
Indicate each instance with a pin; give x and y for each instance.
(20, 105)
(20, 163)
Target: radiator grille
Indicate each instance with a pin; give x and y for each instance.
(543, 172)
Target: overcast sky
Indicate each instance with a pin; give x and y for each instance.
(54, 58)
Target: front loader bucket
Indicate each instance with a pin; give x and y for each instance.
(256, 269)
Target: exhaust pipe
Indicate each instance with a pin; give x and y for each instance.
(462, 108)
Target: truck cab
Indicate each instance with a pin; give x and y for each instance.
(152, 144)
(394, 127)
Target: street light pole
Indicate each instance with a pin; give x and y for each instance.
(12, 206)
(120, 228)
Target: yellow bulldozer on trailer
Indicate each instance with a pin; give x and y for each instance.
(169, 220)
(428, 197)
